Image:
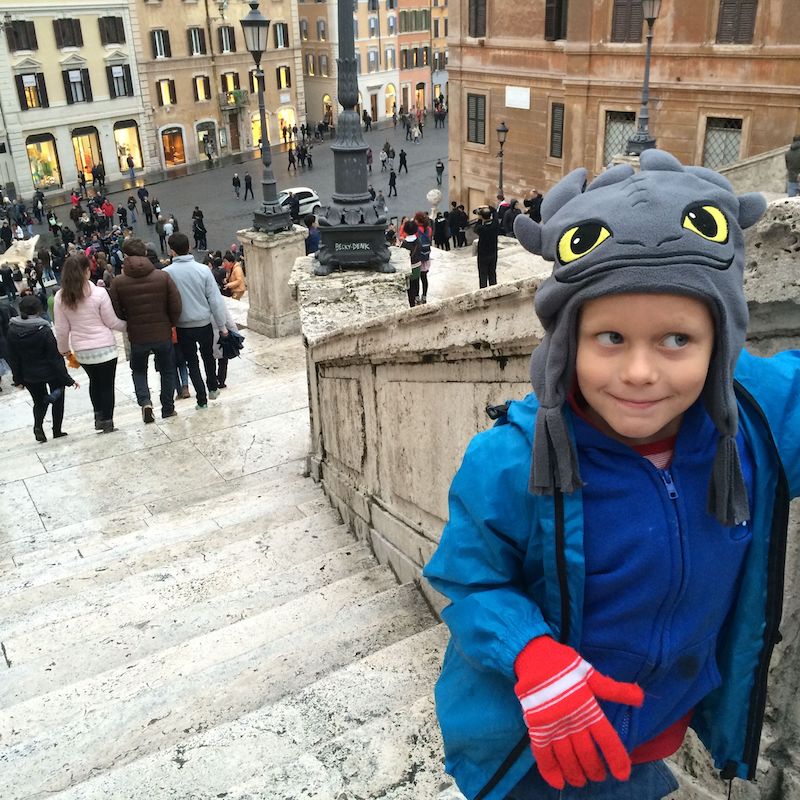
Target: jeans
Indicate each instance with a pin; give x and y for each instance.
(650, 781)
(39, 392)
(165, 364)
(791, 188)
(189, 340)
(101, 388)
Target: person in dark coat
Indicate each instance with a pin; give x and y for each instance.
(441, 231)
(508, 218)
(37, 365)
(294, 207)
(792, 158)
(392, 183)
(534, 206)
(487, 231)
(148, 299)
(7, 311)
(248, 185)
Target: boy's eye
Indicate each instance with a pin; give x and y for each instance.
(708, 222)
(581, 239)
(609, 337)
(676, 340)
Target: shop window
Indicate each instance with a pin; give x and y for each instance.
(284, 76)
(43, 161)
(557, 130)
(620, 126)
(206, 138)
(737, 21)
(723, 141)
(227, 39)
(281, 33)
(68, 33)
(119, 81)
(112, 30)
(86, 147)
(159, 41)
(202, 88)
(555, 19)
(196, 38)
(126, 140)
(77, 86)
(476, 118)
(165, 92)
(477, 18)
(172, 146)
(21, 35)
(32, 91)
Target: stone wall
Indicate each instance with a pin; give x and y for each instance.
(395, 400)
(765, 172)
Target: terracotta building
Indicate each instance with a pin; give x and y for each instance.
(566, 77)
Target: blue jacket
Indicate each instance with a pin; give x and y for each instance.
(513, 566)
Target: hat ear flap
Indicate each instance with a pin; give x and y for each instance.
(529, 234)
(751, 208)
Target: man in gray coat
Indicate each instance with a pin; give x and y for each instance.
(200, 302)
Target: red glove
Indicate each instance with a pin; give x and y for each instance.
(558, 691)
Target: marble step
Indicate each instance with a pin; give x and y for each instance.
(182, 569)
(43, 657)
(111, 719)
(316, 723)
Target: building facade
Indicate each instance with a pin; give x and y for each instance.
(198, 79)
(566, 78)
(69, 93)
(414, 43)
(376, 27)
(319, 44)
(440, 30)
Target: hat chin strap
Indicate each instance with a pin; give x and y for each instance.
(554, 464)
(727, 492)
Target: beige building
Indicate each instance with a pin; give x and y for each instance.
(69, 93)
(198, 80)
(566, 78)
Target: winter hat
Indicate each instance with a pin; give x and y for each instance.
(665, 229)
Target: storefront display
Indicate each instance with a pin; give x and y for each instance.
(43, 160)
(126, 140)
(86, 145)
(172, 144)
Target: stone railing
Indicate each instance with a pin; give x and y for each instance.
(765, 172)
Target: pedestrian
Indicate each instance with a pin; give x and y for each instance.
(142, 193)
(439, 171)
(369, 159)
(82, 182)
(793, 166)
(147, 210)
(508, 218)
(314, 237)
(292, 162)
(200, 300)
(132, 209)
(372, 193)
(85, 323)
(384, 158)
(441, 231)
(169, 227)
(488, 231)
(415, 131)
(101, 175)
(309, 157)
(162, 237)
(95, 179)
(150, 302)
(9, 287)
(411, 243)
(235, 285)
(380, 203)
(403, 161)
(248, 185)
(534, 205)
(425, 236)
(463, 221)
(294, 207)
(37, 365)
(131, 167)
(237, 184)
(392, 183)
(199, 233)
(294, 131)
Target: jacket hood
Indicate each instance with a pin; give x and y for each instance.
(137, 266)
(28, 326)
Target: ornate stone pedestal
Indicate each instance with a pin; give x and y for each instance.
(270, 258)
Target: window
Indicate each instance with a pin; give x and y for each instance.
(391, 60)
(391, 25)
(21, 35)
(436, 29)
(309, 65)
(373, 26)
(252, 79)
(476, 118)
(355, 28)
(304, 29)
(626, 24)
(227, 39)
(202, 88)
(159, 41)
(43, 160)
(322, 31)
(477, 18)
(556, 130)
(281, 32)
(555, 19)
(391, 4)
(229, 81)
(77, 86)
(197, 41)
(404, 58)
(737, 21)
(372, 5)
(112, 30)
(31, 91)
(426, 56)
(620, 126)
(722, 143)
(119, 81)
(68, 33)
(445, 26)
(284, 77)
(165, 92)
(323, 65)
(372, 61)
(126, 139)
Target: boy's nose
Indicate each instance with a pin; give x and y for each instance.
(639, 368)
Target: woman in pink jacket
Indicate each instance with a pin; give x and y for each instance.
(85, 323)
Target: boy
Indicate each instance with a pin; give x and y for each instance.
(619, 537)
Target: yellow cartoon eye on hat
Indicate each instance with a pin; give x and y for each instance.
(708, 222)
(581, 239)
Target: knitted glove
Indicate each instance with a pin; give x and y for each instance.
(558, 691)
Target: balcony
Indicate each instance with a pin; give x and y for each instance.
(236, 98)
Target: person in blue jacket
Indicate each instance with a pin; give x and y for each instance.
(615, 547)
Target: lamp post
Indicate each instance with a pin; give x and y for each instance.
(502, 134)
(272, 217)
(642, 140)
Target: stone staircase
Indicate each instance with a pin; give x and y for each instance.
(183, 615)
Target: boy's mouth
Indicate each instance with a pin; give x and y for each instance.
(640, 405)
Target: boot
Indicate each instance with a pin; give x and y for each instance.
(38, 432)
(107, 425)
(98, 423)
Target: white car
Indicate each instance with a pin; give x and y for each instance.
(309, 200)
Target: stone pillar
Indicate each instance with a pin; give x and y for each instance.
(270, 258)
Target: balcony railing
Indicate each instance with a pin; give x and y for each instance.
(236, 98)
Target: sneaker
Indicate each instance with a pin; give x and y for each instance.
(59, 434)
(213, 394)
(201, 406)
(423, 299)
(169, 414)
(222, 385)
(147, 414)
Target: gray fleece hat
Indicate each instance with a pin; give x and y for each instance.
(665, 229)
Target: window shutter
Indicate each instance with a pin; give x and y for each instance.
(620, 22)
(58, 30)
(232, 37)
(278, 77)
(126, 71)
(288, 77)
(202, 41)
(167, 48)
(12, 39)
(112, 92)
(194, 87)
(275, 32)
(220, 40)
(153, 44)
(173, 98)
(44, 102)
(29, 30)
(550, 20)
(207, 82)
(87, 84)
(726, 25)
(223, 84)
(120, 29)
(745, 25)
(235, 80)
(77, 34)
(190, 49)
(67, 87)
(159, 95)
(103, 24)
(557, 131)
(23, 102)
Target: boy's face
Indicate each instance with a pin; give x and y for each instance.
(642, 360)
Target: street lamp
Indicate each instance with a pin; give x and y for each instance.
(272, 217)
(502, 134)
(642, 140)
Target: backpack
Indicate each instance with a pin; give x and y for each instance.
(424, 237)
